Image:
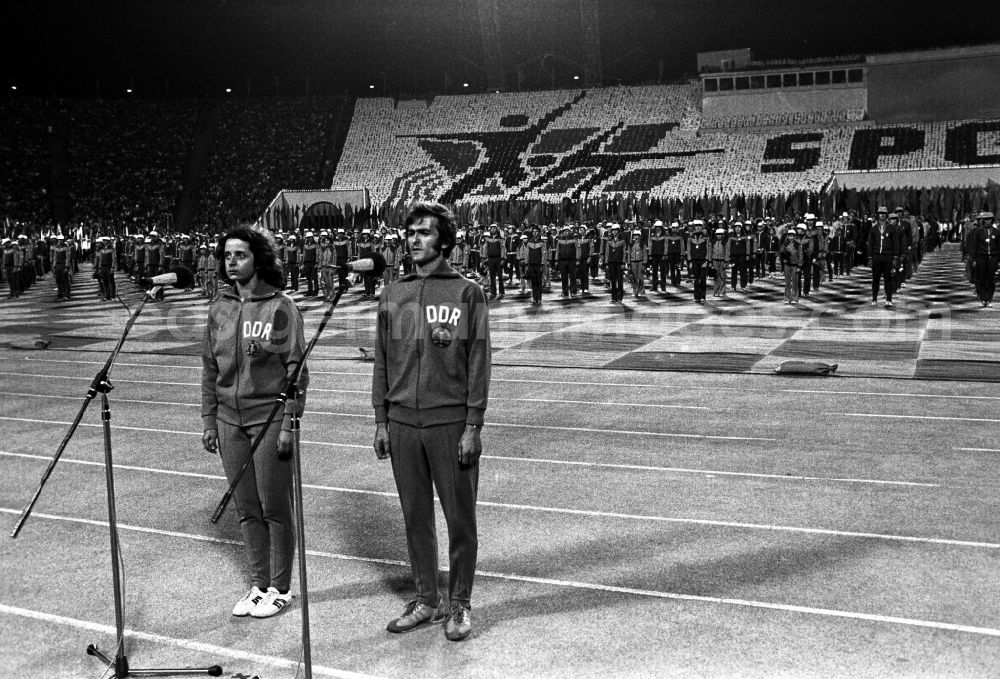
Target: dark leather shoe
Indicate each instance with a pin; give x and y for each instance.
(459, 624)
(414, 615)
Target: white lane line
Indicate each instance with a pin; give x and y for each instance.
(880, 394)
(919, 417)
(192, 475)
(492, 424)
(599, 465)
(160, 431)
(980, 450)
(749, 603)
(600, 403)
(573, 584)
(113, 379)
(368, 391)
(594, 514)
(548, 427)
(710, 472)
(581, 383)
(201, 647)
(722, 388)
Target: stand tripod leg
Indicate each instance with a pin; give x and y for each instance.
(300, 535)
(120, 661)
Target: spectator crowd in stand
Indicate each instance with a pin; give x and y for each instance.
(120, 167)
(258, 148)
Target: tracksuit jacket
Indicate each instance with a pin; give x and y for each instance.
(432, 350)
(250, 348)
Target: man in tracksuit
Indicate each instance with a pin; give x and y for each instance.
(657, 256)
(697, 256)
(568, 254)
(535, 252)
(430, 386)
(61, 256)
(885, 247)
(984, 252)
(493, 250)
(614, 260)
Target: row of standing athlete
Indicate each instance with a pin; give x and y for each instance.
(578, 256)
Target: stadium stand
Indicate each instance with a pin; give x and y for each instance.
(24, 164)
(126, 158)
(258, 147)
(128, 164)
(552, 146)
(136, 163)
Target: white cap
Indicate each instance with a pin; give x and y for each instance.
(819, 223)
(808, 216)
(308, 234)
(153, 233)
(658, 223)
(636, 232)
(364, 232)
(4, 241)
(720, 230)
(697, 222)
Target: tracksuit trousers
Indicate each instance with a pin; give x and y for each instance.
(263, 500)
(424, 458)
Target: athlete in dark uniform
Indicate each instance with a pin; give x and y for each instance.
(697, 256)
(614, 261)
(430, 386)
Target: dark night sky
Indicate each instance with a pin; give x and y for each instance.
(199, 47)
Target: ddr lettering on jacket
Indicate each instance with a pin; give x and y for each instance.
(432, 350)
(257, 344)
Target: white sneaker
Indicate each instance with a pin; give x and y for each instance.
(246, 605)
(271, 604)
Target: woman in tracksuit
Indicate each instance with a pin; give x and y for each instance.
(429, 389)
(253, 341)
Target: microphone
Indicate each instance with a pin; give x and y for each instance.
(373, 266)
(179, 277)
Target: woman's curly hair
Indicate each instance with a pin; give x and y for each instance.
(265, 259)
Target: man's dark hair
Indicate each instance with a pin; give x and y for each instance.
(264, 259)
(444, 220)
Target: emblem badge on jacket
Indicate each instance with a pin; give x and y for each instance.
(439, 317)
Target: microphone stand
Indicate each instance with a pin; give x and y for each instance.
(300, 533)
(290, 391)
(101, 385)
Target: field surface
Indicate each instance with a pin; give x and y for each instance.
(654, 500)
